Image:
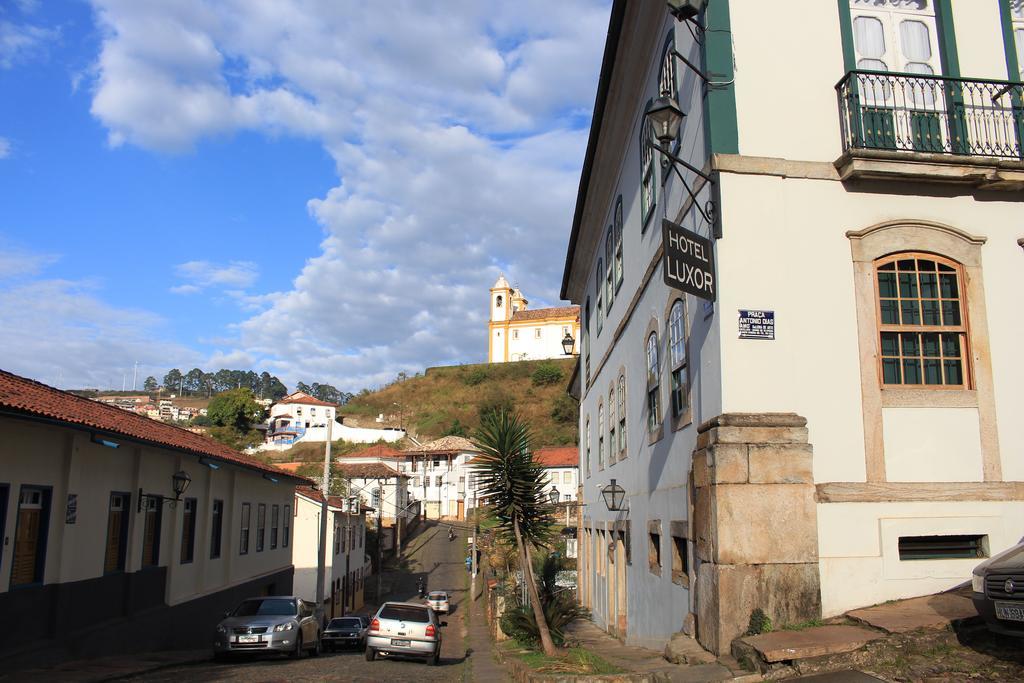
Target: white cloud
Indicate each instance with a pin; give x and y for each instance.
(200, 275)
(61, 333)
(17, 262)
(21, 42)
(5, 148)
(451, 126)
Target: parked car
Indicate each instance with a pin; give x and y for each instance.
(405, 628)
(438, 601)
(283, 623)
(344, 631)
(998, 585)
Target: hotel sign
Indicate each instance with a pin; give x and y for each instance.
(688, 262)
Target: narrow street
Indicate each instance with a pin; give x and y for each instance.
(429, 555)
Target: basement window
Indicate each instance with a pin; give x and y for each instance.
(680, 559)
(962, 546)
(654, 547)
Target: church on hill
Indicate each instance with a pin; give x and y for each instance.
(514, 332)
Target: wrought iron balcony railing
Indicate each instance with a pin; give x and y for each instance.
(932, 114)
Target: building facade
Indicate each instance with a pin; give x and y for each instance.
(346, 560)
(515, 332)
(299, 417)
(838, 425)
(103, 555)
(561, 469)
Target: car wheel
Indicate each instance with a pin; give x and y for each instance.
(435, 658)
(371, 654)
(297, 652)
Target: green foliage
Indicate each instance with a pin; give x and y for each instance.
(235, 408)
(509, 479)
(496, 400)
(560, 609)
(759, 623)
(201, 421)
(236, 438)
(565, 410)
(150, 384)
(545, 374)
(315, 471)
(802, 625)
(456, 429)
(476, 376)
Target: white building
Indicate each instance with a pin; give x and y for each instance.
(103, 555)
(438, 473)
(299, 417)
(380, 486)
(515, 332)
(562, 470)
(840, 425)
(346, 561)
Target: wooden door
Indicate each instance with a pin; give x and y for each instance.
(28, 540)
(116, 528)
(461, 511)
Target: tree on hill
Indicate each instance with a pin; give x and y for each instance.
(234, 408)
(172, 380)
(149, 384)
(304, 388)
(271, 387)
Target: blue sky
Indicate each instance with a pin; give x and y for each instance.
(324, 190)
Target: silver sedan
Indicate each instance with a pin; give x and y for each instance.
(284, 624)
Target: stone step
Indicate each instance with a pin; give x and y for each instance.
(928, 612)
(786, 646)
(682, 649)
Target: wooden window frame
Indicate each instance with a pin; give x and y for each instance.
(617, 225)
(261, 527)
(600, 299)
(609, 270)
(620, 397)
(158, 516)
(46, 509)
(275, 523)
(244, 528)
(648, 179)
(587, 448)
(600, 435)
(680, 553)
(216, 528)
(122, 559)
(286, 527)
(963, 330)
(684, 417)
(187, 553)
(613, 425)
(652, 397)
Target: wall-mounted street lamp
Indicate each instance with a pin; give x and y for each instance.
(613, 495)
(568, 344)
(553, 495)
(665, 117)
(686, 10)
(179, 482)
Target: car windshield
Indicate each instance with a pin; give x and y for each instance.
(411, 613)
(345, 623)
(438, 596)
(276, 607)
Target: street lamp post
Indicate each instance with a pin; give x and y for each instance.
(321, 560)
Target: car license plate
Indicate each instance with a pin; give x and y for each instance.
(1010, 611)
(399, 641)
(248, 639)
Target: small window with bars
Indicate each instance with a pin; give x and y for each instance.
(922, 322)
(953, 547)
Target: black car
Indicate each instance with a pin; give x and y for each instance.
(998, 585)
(344, 631)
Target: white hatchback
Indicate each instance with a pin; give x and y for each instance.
(438, 601)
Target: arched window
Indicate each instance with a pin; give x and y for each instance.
(621, 400)
(677, 357)
(612, 425)
(600, 436)
(609, 274)
(498, 300)
(586, 345)
(653, 402)
(647, 175)
(922, 322)
(617, 225)
(375, 496)
(600, 300)
(586, 459)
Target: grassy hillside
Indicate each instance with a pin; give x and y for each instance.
(432, 403)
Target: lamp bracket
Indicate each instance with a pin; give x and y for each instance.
(172, 502)
(692, 66)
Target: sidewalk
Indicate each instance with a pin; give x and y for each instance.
(479, 646)
(108, 668)
(641, 660)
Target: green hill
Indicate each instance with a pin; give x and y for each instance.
(454, 396)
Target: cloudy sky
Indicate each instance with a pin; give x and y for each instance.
(321, 189)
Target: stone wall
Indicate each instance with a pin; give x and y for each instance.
(755, 525)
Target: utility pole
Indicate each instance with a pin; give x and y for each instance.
(135, 375)
(321, 560)
(380, 540)
(476, 532)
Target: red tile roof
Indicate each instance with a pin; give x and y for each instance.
(558, 456)
(305, 399)
(377, 450)
(28, 397)
(371, 470)
(559, 312)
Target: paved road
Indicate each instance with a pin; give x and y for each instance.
(432, 556)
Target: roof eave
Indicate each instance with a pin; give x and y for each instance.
(611, 47)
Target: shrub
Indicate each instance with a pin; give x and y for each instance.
(476, 376)
(565, 410)
(545, 374)
(759, 623)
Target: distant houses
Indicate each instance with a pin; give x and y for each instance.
(301, 418)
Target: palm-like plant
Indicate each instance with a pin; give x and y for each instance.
(511, 483)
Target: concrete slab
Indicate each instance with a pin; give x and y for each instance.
(928, 612)
(781, 646)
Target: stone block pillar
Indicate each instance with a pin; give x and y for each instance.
(755, 524)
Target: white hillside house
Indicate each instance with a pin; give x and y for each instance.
(301, 418)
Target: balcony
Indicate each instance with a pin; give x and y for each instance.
(931, 128)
